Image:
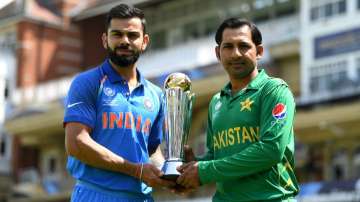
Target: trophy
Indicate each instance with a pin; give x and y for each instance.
(178, 104)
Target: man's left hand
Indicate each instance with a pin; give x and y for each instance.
(189, 177)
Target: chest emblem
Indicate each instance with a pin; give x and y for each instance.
(109, 92)
(279, 111)
(148, 104)
(246, 104)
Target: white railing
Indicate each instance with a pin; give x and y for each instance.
(42, 93)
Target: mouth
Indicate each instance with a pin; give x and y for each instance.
(238, 64)
(124, 51)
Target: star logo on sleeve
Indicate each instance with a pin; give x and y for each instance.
(246, 104)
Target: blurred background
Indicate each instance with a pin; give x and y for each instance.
(313, 45)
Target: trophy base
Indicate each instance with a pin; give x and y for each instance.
(169, 170)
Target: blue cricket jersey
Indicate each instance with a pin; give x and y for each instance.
(128, 124)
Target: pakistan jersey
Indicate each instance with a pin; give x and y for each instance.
(250, 142)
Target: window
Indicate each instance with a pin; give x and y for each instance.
(2, 146)
(327, 10)
(158, 40)
(331, 77)
(52, 165)
(192, 31)
(340, 163)
(260, 4)
(356, 163)
(342, 6)
(315, 13)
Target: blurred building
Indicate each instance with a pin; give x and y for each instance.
(40, 52)
(47, 42)
(327, 120)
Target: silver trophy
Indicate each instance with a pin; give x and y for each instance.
(178, 103)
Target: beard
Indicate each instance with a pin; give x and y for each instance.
(247, 67)
(123, 60)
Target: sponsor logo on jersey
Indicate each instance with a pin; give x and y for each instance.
(279, 111)
(236, 136)
(126, 120)
(148, 104)
(109, 92)
(73, 104)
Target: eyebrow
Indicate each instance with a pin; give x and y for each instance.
(116, 31)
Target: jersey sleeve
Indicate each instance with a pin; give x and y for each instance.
(276, 125)
(81, 101)
(156, 132)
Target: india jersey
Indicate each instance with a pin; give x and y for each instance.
(250, 142)
(128, 124)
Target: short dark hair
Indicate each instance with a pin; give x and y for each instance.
(236, 23)
(124, 11)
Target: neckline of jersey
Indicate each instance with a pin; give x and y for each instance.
(116, 77)
(254, 84)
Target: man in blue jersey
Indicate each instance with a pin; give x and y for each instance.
(113, 119)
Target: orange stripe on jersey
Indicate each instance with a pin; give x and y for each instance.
(129, 120)
(146, 126)
(113, 118)
(104, 120)
(119, 122)
(138, 124)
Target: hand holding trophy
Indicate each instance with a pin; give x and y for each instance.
(178, 104)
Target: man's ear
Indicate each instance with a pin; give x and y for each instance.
(104, 40)
(145, 42)
(217, 52)
(259, 51)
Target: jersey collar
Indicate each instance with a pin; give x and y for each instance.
(258, 81)
(255, 84)
(115, 77)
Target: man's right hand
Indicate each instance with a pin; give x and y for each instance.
(151, 175)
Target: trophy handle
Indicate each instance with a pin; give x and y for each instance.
(189, 108)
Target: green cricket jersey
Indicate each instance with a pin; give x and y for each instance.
(250, 142)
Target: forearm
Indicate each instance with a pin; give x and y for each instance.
(157, 158)
(256, 158)
(96, 155)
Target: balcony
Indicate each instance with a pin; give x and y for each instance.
(42, 93)
(200, 52)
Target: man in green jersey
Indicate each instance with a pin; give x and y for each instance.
(250, 136)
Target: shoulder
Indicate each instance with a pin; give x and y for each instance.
(153, 88)
(86, 83)
(88, 78)
(276, 87)
(92, 74)
(273, 83)
(215, 99)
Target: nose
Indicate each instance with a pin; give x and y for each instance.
(237, 52)
(124, 40)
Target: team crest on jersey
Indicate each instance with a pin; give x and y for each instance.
(279, 111)
(109, 92)
(217, 106)
(148, 104)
